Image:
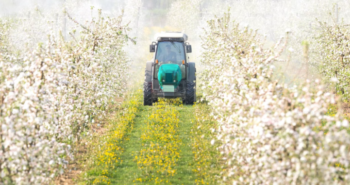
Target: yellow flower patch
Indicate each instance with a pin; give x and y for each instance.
(108, 156)
(161, 144)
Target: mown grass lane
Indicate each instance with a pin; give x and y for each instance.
(129, 172)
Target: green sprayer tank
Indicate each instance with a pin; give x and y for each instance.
(169, 74)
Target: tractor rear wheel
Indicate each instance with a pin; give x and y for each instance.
(147, 86)
(147, 93)
(190, 93)
(155, 100)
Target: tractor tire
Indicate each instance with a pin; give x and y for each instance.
(147, 86)
(155, 100)
(190, 96)
(190, 93)
(147, 94)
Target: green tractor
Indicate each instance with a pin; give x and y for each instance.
(170, 74)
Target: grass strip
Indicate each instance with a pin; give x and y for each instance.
(204, 147)
(184, 166)
(108, 153)
(128, 171)
(160, 145)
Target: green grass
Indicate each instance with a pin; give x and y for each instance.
(184, 166)
(128, 171)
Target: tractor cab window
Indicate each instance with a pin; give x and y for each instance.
(170, 52)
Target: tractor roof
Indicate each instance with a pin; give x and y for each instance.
(171, 36)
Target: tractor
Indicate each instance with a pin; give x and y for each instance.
(170, 74)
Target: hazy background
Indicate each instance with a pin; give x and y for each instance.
(35, 19)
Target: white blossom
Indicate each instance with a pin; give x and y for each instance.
(272, 133)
